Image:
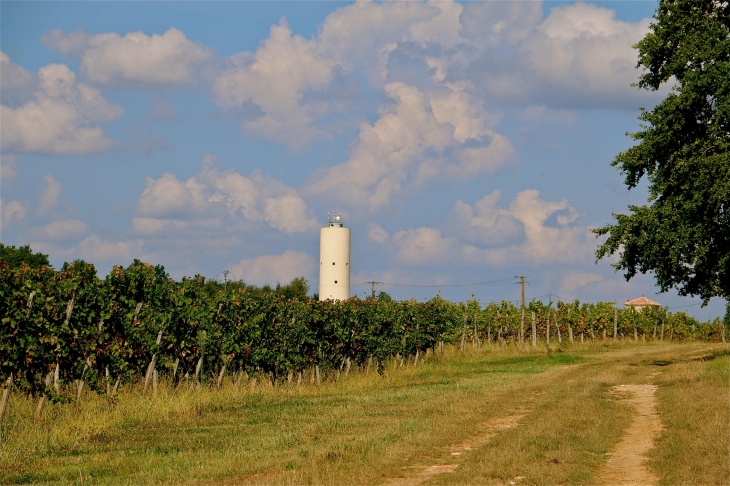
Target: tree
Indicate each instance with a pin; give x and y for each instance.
(384, 297)
(683, 235)
(17, 256)
(296, 289)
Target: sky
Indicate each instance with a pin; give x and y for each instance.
(462, 142)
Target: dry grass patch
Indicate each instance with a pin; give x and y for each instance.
(694, 404)
(564, 438)
(370, 429)
(360, 430)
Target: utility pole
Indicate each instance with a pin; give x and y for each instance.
(225, 280)
(374, 284)
(225, 274)
(522, 289)
(522, 307)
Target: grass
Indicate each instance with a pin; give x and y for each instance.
(371, 429)
(694, 403)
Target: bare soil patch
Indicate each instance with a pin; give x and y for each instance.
(626, 465)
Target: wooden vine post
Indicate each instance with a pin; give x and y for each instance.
(463, 334)
(476, 336)
(153, 362)
(570, 332)
(198, 370)
(615, 323)
(522, 329)
(6, 395)
(723, 332)
(173, 378)
(42, 401)
(534, 331)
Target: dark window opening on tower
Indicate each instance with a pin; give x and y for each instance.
(335, 281)
(333, 263)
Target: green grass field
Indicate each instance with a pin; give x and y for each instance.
(371, 429)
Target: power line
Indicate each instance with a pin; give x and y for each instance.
(522, 283)
(444, 286)
(690, 305)
(374, 284)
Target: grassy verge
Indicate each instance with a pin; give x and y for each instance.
(363, 429)
(694, 403)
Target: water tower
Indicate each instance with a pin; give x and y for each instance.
(334, 260)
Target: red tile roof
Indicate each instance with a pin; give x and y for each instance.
(641, 302)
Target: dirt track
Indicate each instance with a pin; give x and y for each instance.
(487, 431)
(626, 463)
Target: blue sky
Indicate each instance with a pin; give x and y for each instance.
(464, 142)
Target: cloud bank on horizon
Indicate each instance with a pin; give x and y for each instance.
(426, 123)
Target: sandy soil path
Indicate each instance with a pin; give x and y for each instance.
(626, 465)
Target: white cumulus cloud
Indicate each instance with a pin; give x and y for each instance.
(274, 78)
(407, 145)
(61, 119)
(574, 280)
(228, 195)
(13, 77)
(11, 212)
(272, 269)
(95, 248)
(135, 59)
(533, 241)
(8, 168)
(67, 229)
(50, 195)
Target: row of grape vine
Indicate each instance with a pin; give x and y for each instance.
(69, 326)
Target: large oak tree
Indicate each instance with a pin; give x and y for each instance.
(682, 235)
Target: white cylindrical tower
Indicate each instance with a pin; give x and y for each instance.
(334, 260)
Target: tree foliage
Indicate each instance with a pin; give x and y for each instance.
(683, 235)
(17, 256)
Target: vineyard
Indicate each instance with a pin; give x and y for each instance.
(66, 331)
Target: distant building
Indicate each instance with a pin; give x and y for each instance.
(334, 260)
(641, 303)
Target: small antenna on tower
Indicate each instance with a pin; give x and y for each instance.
(334, 218)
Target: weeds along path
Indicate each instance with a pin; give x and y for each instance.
(626, 465)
